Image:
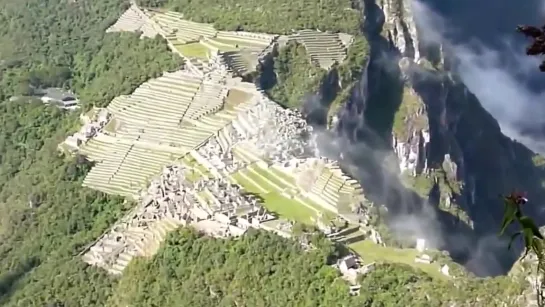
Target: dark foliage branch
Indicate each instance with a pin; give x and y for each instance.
(532, 237)
(537, 46)
(534, 242)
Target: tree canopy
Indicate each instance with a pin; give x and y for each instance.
(295, 76)
(275, 17)
(64, 44)
(46, 217)
(263, 269)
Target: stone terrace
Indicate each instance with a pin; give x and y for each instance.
(189, 132)
(200, 41)
(211, 205)
(133, 20)
(164, 119)
(327, 185)
(334, 189)
(174, 27)
(240, 50)
(324, 48)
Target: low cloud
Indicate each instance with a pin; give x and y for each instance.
(500, 80)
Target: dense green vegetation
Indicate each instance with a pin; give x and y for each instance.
(276, 17)
(394, 284)
(412, 110)
(122, 63)
(64, 44)
(296, 76)
(98, 74)
(291, 77)
(46, 217)
(262, 269)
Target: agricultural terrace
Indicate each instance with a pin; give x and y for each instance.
(211, 133)
(240, 51)
(325, 49)
(214, 148)
(158, 123)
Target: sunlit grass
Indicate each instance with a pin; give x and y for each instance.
(287, 208)
(193, 50)
(371, 252)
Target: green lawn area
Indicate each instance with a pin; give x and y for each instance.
(243, 155)
(193, 50)
(273, 201)
(260, 181)
(371, 252)
(192, 174)
(219, 44)
(92, 113)
(328, 215)
(235, 97)
(266, 174)
(111, 126)
(205, 196)
(282, 175)
(239, 43)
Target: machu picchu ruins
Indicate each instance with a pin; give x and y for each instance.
(268, 153)
(200, 146)
(241, 51)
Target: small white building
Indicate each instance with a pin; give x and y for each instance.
(63, 99)
(347, 263)
(423, 259)
(420, 245)
(445, 270)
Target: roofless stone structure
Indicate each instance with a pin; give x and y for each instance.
(201, 136)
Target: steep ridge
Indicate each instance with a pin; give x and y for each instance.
(417, 119)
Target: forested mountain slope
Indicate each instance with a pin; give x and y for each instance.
(262, 269)
(47, 217)
(58, 43)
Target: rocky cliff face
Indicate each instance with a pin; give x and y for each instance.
(451, 159)
(400, 27)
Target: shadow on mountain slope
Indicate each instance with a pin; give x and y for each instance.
(8, 281)
(489, 163)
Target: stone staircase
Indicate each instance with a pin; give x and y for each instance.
(116, 252)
